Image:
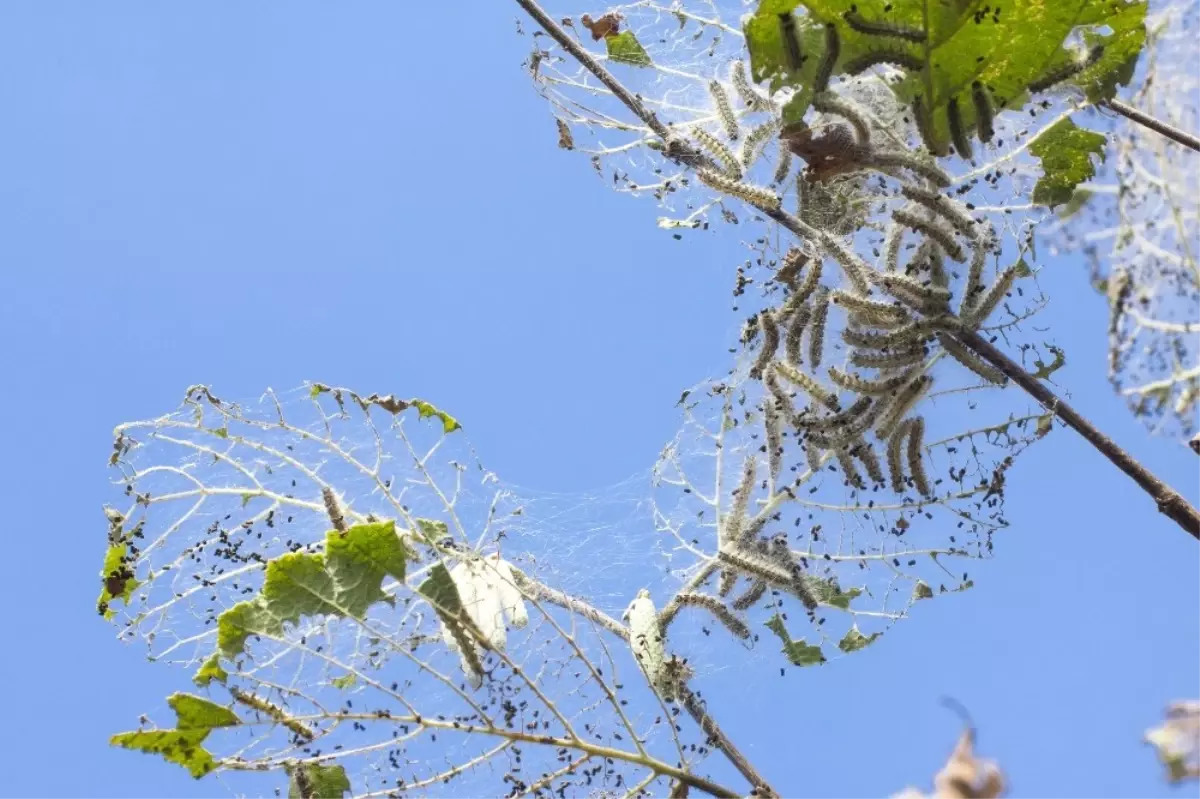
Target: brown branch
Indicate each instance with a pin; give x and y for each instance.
(1169, 501)
(717, 738)
(1156, 125)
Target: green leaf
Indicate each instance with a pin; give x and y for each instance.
(1066, 151)
(1079, 199)
(345, 581)
(922, 590)
(1045, 423)
(314, 781)
(1044, 370)
(625, 47)
(1122, 46)
(828, 592)
(432, 530)
(796, 651)
(221, 432)
(210, 670)
(195, 717)
(117, 580)
(855, 640)
(345, 681)
(425, 409)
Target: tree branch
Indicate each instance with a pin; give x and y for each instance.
(1169, 502)
(1171, 132)
(717, 738)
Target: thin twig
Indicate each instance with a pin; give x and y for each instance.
(717, 738)
(1156, 125)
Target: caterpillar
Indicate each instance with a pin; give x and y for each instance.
(907, 336)
(717, 608)
(717, 149)
(916, 436)
(646, 638)
(727, 582)
(874, 312)
(983, 112)
(795, 333)
(849, 469)
(953, 212)
(753, 99)
(857, 270)
(837, 420)
(958, 135)
(895, 467)
(933, 230)
(874, 58)
(891, 247)
(904, 401)
(848, 433)
(816, 335)
(833, 47)
(783, 401)
(783, 166)
(877, 28)
(862, 385)
(741, 502)
(915, 294)
(724, 110)
(755, 195)
(1063, 72)
(766, 323)
(791, 41)
(863, 450)
(772, 427)
(979, 251)
(970, 360)
(793, 261)
(830, 103)
(807, 286)
(991, 298)
(812, 454)
(333, 509)
(752, 594)
(763, 567)
(808, 384)
(925, 127)
(888, 360)
(755, 139)
(897, 158)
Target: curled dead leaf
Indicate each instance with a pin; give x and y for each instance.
(607, 25)
(565, 139)
(964, 776)
(1177, 741)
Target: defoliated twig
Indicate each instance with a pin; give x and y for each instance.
(1156, 125)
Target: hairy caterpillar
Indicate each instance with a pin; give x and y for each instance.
(979, 251)
(850, 432)
(830, 103)
(772, 426)
(991, 298)
(808, 385)
(793, 261)
(837, 420)
(904, 401)
(782, 400)
(895, 467)
(862, 385)
(752, 562)
(753, 99)
(970, 360)
(907, 336)
(891, 247)
(925, 128)
(873, 312)
(863, 450)
(724, 110)
(791, 41)
(899, 58)
(1070, 69)
(333, 509)
(877, 28)
(727, 582)
(766, 323)
(750, 596)
(812, 454)
(783, 166)
(795, 333)
(755, 139)
(915, 294)
(816, 335)
(848, 468)
(897, 158)
(983, 112)
(741, 502)
(933, 230)
(717, 149)
(717, 608)
(953, 212)
(807, 286)
(755, 195)
(962, 142)
(916, 436)
(888, 360)
(833, 48)
(646, 638)
(857, 270)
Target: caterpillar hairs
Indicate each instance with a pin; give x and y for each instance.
(904, 401)
(958, 135)
(717, 149)
(934, 231)
(983, 112)
(891, 247)
(879, 28)
(916, 465)
(873, 312)
(874, 58)
(829, 58)
(970, 360)
(795, 333)
(924, 119)
(861, 385)
(755, 195)
(816, 335)
(333, 509)
(808, 385)
(766, 322)
(724, 110)
(717, 608)
(791, 41)
(753, 99)
(991, 298)
(888, 360)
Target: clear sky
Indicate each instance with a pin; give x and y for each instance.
(369, 194)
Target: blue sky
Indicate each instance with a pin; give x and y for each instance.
(369, 194)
